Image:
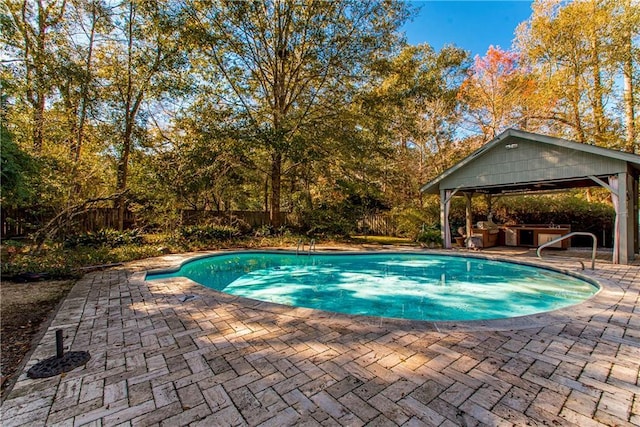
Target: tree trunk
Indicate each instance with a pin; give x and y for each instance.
(123, 171)
(276, 183)
(575, 103)
(84, 100)
(632, 144)
(266, 195)
(130, 111)
(627, 74)
(38, 120)
(38, 114)
(597, 105)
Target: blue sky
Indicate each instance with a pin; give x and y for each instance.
(472, 25)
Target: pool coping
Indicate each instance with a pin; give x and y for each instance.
(608, 295)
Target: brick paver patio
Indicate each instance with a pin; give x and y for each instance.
(218, 360)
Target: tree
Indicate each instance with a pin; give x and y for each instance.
(76, 72)
(18, 169)
(199, 164)
(495, 92)
(626, 29)
(51, 94)
(288, 66)
(576, 51)
(414, 105)
(27, 30)
(136, 65)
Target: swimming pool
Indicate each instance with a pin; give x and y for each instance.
(396, 285)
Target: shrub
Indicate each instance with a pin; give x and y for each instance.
(329, 222)
(267, 230)
(105, 237)
(57, 262)
(209, 232)
(10, 248)
(409, 220)
(429, 236)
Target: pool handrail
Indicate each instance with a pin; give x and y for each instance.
(301, 245)
(566, 236)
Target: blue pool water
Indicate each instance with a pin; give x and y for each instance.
(409, 286)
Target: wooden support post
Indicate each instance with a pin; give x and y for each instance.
(444, 220)
(625, 241)
(635, 210)
(469, 215)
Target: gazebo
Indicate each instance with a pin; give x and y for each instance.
(517, 162)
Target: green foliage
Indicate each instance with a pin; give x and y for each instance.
(329, 221)
(339, 218)
(582, 215)
(205, 233)
(15, 244)
(18, 170)
(290, 68)
(271, 231)
(410, 220)
(104, 238)
(59, 262)
(287, 239)
(429, 236)
(314, 108)
(10, 248)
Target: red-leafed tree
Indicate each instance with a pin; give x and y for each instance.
(495, 93)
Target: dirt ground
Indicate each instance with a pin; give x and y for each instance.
(24, 307)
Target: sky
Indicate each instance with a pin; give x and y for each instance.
(473, 25)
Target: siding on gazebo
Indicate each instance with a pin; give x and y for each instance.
(531, 161)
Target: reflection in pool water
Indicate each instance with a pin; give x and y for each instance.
(407, 285)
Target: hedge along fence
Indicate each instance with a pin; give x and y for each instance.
(24, 221)
(252, 218)
(592, 217)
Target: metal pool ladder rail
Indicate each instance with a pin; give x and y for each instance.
(312, 247)
(566, 236)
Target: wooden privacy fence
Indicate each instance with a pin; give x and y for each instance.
(99, 218)
(22, 222)
(381, 224)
